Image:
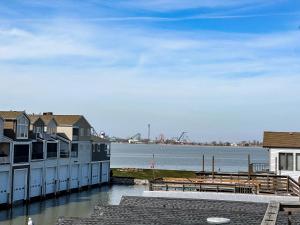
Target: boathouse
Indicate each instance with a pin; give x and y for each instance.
(284, 153)
(44, 155)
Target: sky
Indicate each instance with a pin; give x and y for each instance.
(223, 70)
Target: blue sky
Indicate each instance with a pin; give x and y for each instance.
(218, 69)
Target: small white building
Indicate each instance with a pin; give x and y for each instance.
(284, 150)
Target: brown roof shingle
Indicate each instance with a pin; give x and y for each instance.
(281, 139)
(67, 119)
(10, 114)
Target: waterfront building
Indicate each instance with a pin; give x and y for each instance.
(284, 151)
(47, 154)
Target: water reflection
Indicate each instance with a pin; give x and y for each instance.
(75, 204)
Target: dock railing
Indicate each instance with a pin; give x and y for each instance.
(231, 182)
(259, 167)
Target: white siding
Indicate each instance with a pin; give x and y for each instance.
(274, 155)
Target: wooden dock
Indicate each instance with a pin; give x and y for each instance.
(229, 182)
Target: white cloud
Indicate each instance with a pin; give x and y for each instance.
(195, 80)
(173, 5)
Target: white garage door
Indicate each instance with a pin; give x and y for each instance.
(74, 176)
(84, 175)
(36, 182)
(95, 173)
(105, 172)
(50, 180)
(63, 178)
(19, 184)
(3, 187)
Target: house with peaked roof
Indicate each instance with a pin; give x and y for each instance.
(284, 152)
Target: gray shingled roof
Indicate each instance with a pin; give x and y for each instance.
(146, 210)
(231, 206)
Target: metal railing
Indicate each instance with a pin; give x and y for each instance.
(259, 167)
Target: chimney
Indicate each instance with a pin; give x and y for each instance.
(48, 113)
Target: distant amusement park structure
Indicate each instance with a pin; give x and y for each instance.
(181, 139)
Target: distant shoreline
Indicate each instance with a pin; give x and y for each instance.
(191, 145)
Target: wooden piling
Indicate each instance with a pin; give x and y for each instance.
(213, 167)
(249, 172)
(203, 167)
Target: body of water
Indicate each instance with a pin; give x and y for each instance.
(73, 205)
(178, 157)
(133, 156)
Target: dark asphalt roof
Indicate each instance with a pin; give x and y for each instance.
(165, 211)
(231, 206)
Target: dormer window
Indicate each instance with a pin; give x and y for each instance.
(22, 128)
(39, 130)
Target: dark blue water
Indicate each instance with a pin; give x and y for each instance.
(76, 204)
(227, 159)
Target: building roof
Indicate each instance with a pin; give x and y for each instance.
(281, 139)
(67, 119)
(33, 118)
(164, 211)
(11, 114)
(45, 118)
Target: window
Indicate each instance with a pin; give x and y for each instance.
(22, 128)
(298, 161)
(74, 151)
(21, 153)
(81, 131)
(37, 150)
(51, 130)
(64, 150)
(75, 134)
(38, 129)
(286, 161)
(4, 149)
(88, 132)
(51, 150)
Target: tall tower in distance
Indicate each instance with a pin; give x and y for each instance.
(149, 128)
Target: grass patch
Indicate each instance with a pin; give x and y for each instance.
(148, 173)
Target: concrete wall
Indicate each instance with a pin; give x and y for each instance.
(274, 162)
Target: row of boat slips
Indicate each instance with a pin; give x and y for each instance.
(42, 155)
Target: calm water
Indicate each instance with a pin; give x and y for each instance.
(76, 204)
(139, 156)
(229, 159)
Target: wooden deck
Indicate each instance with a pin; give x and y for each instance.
(225, 182)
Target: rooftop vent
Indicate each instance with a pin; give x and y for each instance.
(48, 113)
(217, 220)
